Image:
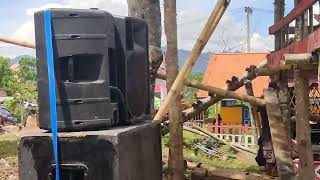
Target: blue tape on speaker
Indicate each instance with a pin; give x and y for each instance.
(52, 93)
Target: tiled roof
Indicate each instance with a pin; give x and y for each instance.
(222, 67)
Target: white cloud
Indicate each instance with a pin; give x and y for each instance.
(190, 23)
(25, 32)
(31, 11)
(230, 35)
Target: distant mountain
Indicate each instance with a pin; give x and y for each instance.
(200, 66)
(18, 58)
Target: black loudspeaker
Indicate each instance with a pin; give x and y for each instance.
(81, 43)
(131, 67)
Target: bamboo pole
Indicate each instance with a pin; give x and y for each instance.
(18, 42)
(194, 131)
(234, 146)
(206, 33)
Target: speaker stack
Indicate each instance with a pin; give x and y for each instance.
(101, 69)
(102, 86)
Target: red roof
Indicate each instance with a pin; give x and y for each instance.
(222, 67)
(15, 67)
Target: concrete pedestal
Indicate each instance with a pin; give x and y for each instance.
(120, 153)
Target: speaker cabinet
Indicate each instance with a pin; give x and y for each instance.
(81, 43)
(131, 62)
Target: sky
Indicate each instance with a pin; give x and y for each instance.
(17, 22)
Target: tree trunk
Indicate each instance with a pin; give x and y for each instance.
(150, 11)
(176, 161)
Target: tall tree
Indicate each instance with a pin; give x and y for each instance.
(150, 11)
(28, 69)
(176, 161)
(5, 71)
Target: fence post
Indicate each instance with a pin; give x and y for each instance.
(246, 127)
(221, 128)
(210, 127)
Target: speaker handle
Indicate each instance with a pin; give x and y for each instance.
(122, 99)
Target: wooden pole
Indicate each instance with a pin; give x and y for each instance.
(271, 70)
(284, 101)
(280, 144)
(255, 122)
(233, 86)
(206, 33)
(303, 58)
(298, 28)
(301, 91)
(176, 160)
(228, 94)
(221, 93)
(278, 15)
(18, 42)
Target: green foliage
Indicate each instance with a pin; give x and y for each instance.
(211, 112)
(20, 85)
(28, 70)
(6, 74)
(189, 92)
(165, 140)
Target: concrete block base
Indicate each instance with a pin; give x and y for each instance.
(120, 153)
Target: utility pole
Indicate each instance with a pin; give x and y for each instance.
(248, 11)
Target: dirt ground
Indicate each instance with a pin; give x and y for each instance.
(9, 150)
(9, 168)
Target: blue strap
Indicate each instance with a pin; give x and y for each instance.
(52, 88)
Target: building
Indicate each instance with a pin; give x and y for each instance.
(222, 67)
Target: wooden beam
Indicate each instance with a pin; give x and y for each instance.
(301, 91)
(206, 33)
(221, 92)
(233, 86)
(281, 147)
(302, 58)
(297, 11)
(308, 44)
(18, 42)
(228, 94)
(271, 70)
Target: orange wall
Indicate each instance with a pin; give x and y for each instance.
(231, 115)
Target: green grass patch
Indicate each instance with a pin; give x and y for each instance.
(8, 146)
(233, 162)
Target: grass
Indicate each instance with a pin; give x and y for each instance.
(234, 162)
(8, 146)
